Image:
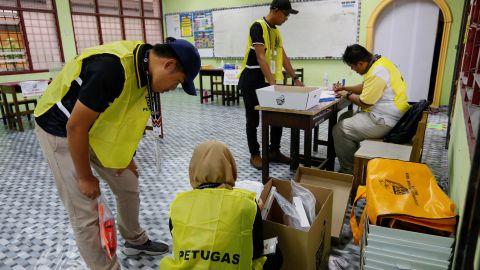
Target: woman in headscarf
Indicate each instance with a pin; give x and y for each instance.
(215, 226)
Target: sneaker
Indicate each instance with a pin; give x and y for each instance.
(256, 161)
(149, 248)
(277, 156)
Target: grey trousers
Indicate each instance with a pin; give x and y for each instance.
(351, 129)
(82, 211)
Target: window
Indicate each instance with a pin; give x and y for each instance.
(101, 21)
(31, 22)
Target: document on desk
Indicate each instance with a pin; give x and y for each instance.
(33, 88)
(327, 95)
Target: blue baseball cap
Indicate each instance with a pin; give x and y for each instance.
(189, 58)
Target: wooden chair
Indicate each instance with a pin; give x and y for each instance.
(370, 149)
(25, 102)
(228, 92)
(298, 71)
(13, 109)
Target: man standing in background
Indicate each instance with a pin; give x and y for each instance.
(262, 66)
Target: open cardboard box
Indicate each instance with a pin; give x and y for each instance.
(339, 183)
(289, 97)
(306, 250)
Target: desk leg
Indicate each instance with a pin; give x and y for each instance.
(223, 95)
(211, 88)
(227, 90)
(332, 121)
(315, 139)
(17, 112)
(201, 89)
(294, 147)
(307, 152)
(265, 140)
(4, 114)
(8, 113)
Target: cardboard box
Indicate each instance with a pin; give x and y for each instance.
(289, 97)
(339, 183)
(306, 250)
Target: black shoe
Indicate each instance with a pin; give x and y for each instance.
(149, 248)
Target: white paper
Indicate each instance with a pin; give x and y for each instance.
(268, 203)
(230, 76)
(301, 212)
(173, 26)
(270, 245)
(33, 88)
(253, 186)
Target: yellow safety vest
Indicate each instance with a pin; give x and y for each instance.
(212, 229)
(273, 46)
(397, 83)
(116, 133)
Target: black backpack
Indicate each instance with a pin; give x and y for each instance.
(406, 127)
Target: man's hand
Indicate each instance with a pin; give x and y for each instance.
(338, 87)
(132, 167)
(89, 186)
(342, 93)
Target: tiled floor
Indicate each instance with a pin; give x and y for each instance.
(34, 229)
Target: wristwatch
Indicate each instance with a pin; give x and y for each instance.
(295, 77)
(348, 95)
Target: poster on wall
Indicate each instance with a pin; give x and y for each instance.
(186, 24)
(195, 27)
(173, 26)
(203, 40)
(203, 30)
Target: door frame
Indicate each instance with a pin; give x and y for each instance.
(447, 17)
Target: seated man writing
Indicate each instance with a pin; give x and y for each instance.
(382, 98)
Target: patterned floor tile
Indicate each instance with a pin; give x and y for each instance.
(35, 232)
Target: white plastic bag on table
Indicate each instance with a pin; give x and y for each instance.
(307, 198)
(106, 222)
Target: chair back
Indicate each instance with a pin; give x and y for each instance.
(419, 138)
(298, 71)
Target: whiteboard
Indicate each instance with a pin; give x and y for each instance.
(321, 29)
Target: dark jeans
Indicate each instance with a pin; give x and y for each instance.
(251, 80)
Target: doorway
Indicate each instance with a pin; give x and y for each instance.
(406, 32)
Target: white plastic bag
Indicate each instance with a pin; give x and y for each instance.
(307, 198)
(106, 222)
(290, 215)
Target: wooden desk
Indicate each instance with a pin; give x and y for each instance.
(296, 120)
(13, 114)
(229, 92)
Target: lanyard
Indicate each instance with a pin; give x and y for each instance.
(153, 101)
(272, 44)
